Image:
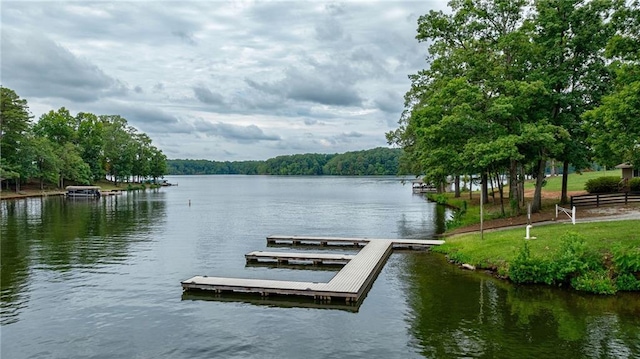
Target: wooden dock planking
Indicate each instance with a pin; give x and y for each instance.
(358, 274)
(415, 243)
(350, 283)
(342, 241)
(315, 258)
(322, 241)
(263, 286)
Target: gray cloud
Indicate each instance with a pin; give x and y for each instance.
(243, 134)
(147, 119)
(345, 137)
(184, 36)
(390, 102)
(205, 95)
(335, 8)
(329, 30)
(312, 87)
(38, 67)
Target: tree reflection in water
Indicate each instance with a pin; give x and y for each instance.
(56, 235)
(466, 314)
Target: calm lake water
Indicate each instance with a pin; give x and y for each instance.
(101, 279)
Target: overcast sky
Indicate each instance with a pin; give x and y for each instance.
(221, 80)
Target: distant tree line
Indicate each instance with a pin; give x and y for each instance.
(374, 162)
(63, 148)
(513, 84)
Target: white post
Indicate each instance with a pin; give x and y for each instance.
(573, 215)
(528, 232)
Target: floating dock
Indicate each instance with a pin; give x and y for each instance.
(286, 258)
(352, 242)
(351, 283)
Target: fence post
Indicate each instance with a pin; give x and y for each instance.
(573, 215)
(626, 196)
(598, 200)
(557, 209)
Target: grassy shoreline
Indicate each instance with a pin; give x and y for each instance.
(598, 257)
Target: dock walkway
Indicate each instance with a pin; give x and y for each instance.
(281, 257)
(351, 283)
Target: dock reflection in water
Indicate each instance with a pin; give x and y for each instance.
(284, 301)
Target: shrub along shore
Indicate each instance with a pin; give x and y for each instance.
(598, 257)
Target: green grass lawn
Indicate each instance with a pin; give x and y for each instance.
(504, 245)
(599, 257)
(499, 249)
(575, 182)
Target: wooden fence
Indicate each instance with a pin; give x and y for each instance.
(603, 199)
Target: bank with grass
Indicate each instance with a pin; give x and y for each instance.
(598, 257)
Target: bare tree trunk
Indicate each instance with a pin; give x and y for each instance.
(514, 192)
(493, 195)
(564, 199)
(457, 186)
(485, 195)
(501, 190)
(521, 180)
(537, 195)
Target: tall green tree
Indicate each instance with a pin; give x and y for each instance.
(536, 65)
(15, 125)
(157, 164)
(91, 143)
(614, 126)
(47, 160)
(142, 156)
(570, 38)
(120, 148)
(58, 126)
(485, 44)
(72, 166)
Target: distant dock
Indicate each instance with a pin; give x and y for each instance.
(350, 284)
(418, 186)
